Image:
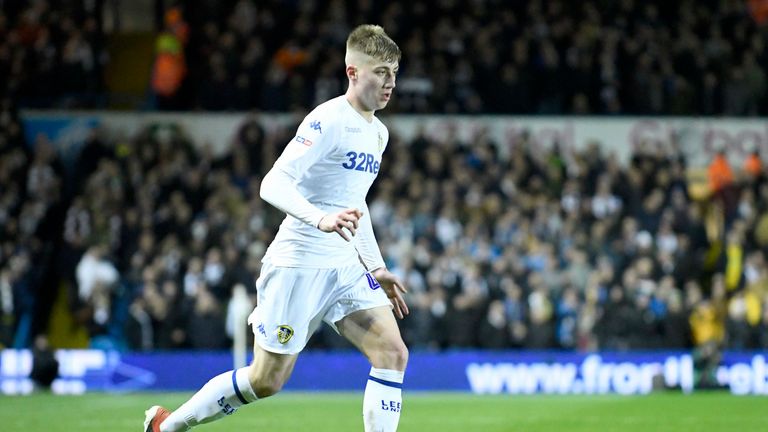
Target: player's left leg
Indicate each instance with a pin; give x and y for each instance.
(376, 334)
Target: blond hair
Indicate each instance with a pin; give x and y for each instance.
(371, 40)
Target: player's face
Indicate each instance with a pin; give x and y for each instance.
(375, 84)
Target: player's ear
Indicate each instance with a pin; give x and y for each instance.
(351, 72)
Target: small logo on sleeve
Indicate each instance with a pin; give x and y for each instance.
(284, 333)
(316, 126)
(301, 140)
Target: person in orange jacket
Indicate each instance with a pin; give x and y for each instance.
(720, 173)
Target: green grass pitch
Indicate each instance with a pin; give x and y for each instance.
(422, 412)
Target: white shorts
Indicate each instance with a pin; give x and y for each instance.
(292, 302)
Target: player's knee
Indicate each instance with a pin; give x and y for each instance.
(393, 356)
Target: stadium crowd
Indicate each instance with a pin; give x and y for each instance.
(524, 248)
(490, 56)
(540, 248)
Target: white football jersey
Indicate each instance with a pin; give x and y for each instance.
(334, 159)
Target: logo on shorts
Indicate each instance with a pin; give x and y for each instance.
(372, 282)
(261, 329)
(284, 333)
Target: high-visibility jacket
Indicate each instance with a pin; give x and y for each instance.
(169, 69)
(720, 173)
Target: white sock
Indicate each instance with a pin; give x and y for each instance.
(382, 400)
(219, 397)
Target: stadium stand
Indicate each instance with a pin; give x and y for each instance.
(146, 236)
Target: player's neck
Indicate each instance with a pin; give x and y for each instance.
(357, 106)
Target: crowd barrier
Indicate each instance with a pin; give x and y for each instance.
(480, 372)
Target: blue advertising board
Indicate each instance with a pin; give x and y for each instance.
(508, 372)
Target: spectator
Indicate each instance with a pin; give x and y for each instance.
(720, 173)
(541, 310)
(205, 325)
(493, 332)
(9, 309)
(45, 367)
(674, 327)
(96, 280)
(95, 272)
(612, 326)
(170, 69)
(753, 165)
(467, 308)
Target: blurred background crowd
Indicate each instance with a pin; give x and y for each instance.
(484, 56)
(142, 241)
(543, 248)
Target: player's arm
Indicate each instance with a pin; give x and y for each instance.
(369, 252)
(278, 187)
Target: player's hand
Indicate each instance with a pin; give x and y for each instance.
(336, 222)
(394, 288)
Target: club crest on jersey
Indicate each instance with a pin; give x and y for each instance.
(316, 126)
(284, 333)
(372, 282)
(381, 143)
